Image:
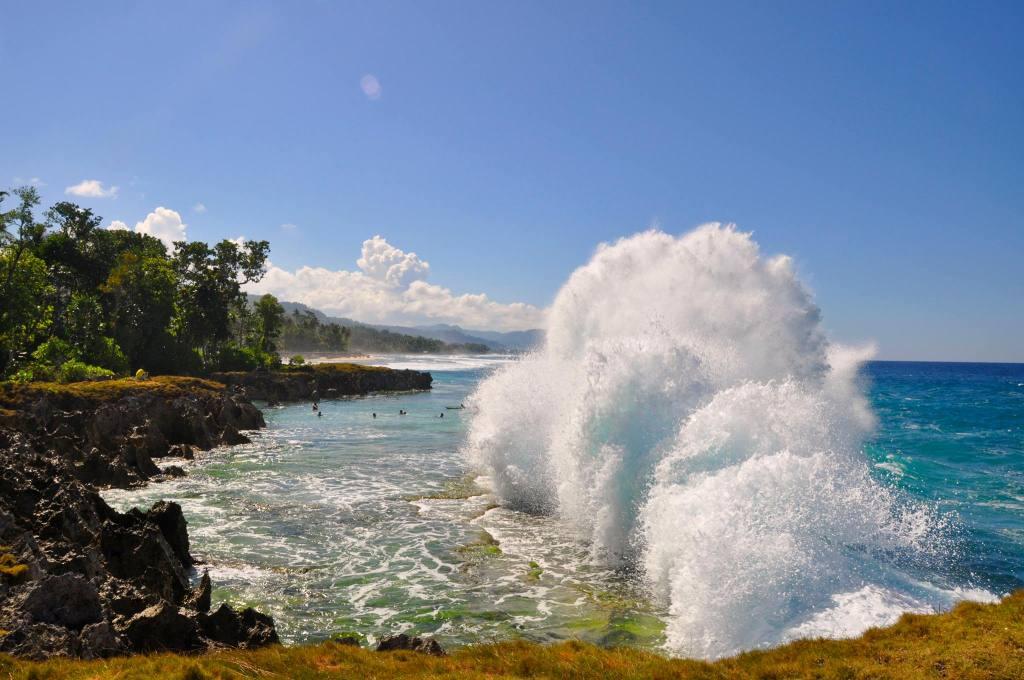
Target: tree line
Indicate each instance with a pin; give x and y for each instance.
(78, 301)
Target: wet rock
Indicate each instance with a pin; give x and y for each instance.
(169, 518)
(199, 598)
(247, 629)
(181, 451)
(172, 471)
(163, 627)
(413, 644)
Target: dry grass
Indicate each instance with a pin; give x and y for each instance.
(14, 395)
(974, 641)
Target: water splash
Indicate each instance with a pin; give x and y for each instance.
(689, 418)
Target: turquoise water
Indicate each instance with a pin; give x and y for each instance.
(953, 433)
(348, 522)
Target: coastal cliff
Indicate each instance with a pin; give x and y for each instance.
(109, 433)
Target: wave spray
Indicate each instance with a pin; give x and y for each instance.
(688, 416)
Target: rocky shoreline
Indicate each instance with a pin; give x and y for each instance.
(80, 579)
(323, 381)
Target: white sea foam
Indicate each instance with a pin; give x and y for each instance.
(688, 417)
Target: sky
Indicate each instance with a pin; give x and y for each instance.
(456, 161)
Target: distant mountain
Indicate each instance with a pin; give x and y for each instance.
(439, 338)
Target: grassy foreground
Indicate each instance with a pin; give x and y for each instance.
(971, 641)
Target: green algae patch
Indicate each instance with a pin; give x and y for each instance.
(454, 490)
(972, 641)
(485, 546)
(533, 572)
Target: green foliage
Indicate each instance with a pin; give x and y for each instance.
(269, 319)
(303, 331)
(105, 352)
(235, 358)
(78, 371)
(110, 299)
(297, 360)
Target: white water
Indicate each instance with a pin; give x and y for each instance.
(690, 419)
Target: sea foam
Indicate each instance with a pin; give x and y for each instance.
(689, 418)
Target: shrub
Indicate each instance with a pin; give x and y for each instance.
(54, 352)
(297, 360)
(107, 353)
(78, 371)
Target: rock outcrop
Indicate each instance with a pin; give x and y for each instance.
(111, 432)
(323, 381)
(84, 580)
(406, 642)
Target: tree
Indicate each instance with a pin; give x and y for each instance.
(23, 280)
(141, 292)
(269, 320)
(209, 288)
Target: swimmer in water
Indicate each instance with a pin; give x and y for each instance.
(374, 415)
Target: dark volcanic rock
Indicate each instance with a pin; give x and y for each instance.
(247, 628)
(199, 598)
(172, 524)
(92, 582)
(413, 644)
(163, 627)
(110, 435)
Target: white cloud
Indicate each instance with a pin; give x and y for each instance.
(91, 188)
(165, 224)
(199, 208)
(371, 87)
(382, 261)
(288, 226)
(118, 225)
(390, 288)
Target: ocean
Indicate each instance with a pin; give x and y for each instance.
(350, 523)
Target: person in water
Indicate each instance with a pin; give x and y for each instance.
(441, 416)
(319, 414)
(374, 415)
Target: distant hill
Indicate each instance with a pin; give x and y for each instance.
(435, 339)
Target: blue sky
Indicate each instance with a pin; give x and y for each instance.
(878, 145)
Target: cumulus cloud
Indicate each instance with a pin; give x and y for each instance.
(165, 224)
(371, 86)
(389, 287)
(384, 262)
(199, 208)
(91, 188)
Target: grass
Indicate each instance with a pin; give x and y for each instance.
(973, 641)
(14, 395)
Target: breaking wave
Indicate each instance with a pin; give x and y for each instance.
(689, 418)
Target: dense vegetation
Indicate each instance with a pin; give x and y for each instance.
(302, 331)
(972, 641)
(368, 339)
(79, 302)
